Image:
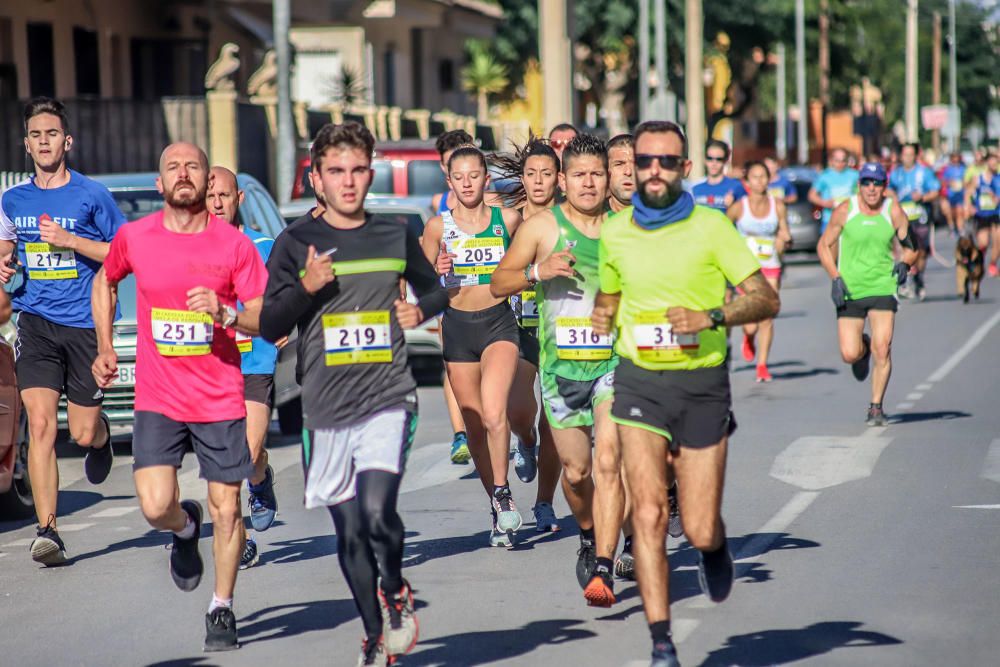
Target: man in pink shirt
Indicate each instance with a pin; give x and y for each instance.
(190, 269)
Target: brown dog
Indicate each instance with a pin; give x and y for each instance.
(968, 268)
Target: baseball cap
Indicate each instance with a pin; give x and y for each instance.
(872, 170)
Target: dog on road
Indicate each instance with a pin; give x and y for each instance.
(968, 268)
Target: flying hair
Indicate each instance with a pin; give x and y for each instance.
(510, 166)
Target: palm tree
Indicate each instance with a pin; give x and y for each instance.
(483, 76)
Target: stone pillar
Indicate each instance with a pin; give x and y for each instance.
(222, 129)
(557, 67)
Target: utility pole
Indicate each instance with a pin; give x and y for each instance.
(802, 142)
(285, 152)
(695, 93)
(557, 70)
(911, 70)
(781, 124)
(953, 78)
(824, 69)
(936, 75)
(661, 59)
(643, 60)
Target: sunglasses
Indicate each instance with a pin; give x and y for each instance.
(712, 158)
(559, 143)
(868, 182)
(670, 162)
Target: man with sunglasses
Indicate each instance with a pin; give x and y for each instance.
(857, 251)
(663, 265)
(560, 136)
(717, 190)
(834, 186)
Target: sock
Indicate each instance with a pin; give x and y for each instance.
(587, 534)
(605, 563)
(875, 405)
(461, 433)
(219, 602)
(628, 545)
(187, 532)
(500, 488)
(660, 631)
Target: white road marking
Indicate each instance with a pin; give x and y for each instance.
(915, 396)
(429, 466)
(113, 512)
(977, 507)
(924, 386)
(73, 527)
(23, 542)
(904, 406)
(991, 468)
(961, 353)
(819, 462)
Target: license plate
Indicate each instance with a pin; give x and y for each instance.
(126, 375)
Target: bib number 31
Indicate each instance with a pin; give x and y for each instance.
(655, 339)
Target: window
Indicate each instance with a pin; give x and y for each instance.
(88, 65)
(41, 60)
(382, 182)
(446, 75)
(424, 177)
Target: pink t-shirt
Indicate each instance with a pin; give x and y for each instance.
(174, 376)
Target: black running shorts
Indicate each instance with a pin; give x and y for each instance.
(692, 408)
(859, 308)
(467, 334)
(221, 447)
(57, 357)
(529, 345)
(257, 388)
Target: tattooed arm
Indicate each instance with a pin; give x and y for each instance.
(758, 302)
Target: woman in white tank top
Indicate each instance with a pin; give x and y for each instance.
(761, 219)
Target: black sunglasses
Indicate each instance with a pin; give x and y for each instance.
(671, 162)
(865, 182)
(712, 158)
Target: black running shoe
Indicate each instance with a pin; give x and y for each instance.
(250, 554)
(876, 417)
(861, 366)
(600, 590)
(625, 566)
(48, 548)
(716, 580)
(97, 463)
(664, 655)
(186, 566)
(585, 561)
(220, 630)
(674, 526)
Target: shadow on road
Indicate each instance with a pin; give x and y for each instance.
(489, 646)
(200, 661)
(751, 545)
(778, 647)
(797, 375)
(296, 550)
(778, 364)
(418, 553)
(288, 620)
(940, 415)
(150, 538)
(70, 502)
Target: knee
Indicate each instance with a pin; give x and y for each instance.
(382, 521)
(156, 508)
(881, 350)
(576, 472)
(607, 468)
(649, 514)
(41, 427)
(83, 435)
(225, 513)
(494, 419)
(850, 352)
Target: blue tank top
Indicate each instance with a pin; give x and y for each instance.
(443, 204)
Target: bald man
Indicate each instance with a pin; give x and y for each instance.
(258, 359)
(191, 269)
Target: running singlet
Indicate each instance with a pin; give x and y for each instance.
(835, 185)
(865, 256)
(907, 181)
(477, 255)
(985, 199)
(569, 346)
(954, 182)
(187, 367)
(258, 357)
(761, 233)
(714, 196)
(781, 188)
(57, 280)
(685, 263)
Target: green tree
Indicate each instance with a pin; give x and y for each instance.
(483, 76)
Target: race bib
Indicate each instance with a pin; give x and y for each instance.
(656, 341)
(762, 247)
(575, 339)
(777, 192)
(954, 187)
(49, 262)
(357, 338)
(243, 342)
(477, 257)
(182, 333)
(913, 210)
(837, 201)
(529, 309)
(987, 202)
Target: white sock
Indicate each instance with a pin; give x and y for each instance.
(219, 602)
(187, 532)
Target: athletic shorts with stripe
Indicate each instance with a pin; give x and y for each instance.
(571, 403)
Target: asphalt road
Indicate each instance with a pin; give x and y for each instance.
(854, 545)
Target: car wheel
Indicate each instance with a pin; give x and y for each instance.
(290, 417)
(18, 502)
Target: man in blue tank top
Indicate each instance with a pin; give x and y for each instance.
(717, 190)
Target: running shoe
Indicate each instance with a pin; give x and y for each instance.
(220, 630)
(47, 548)
(250, 555)
(545, 518)
(186, 566)
(763, 375)
(993, 270)
(664, 655)
(460, 449)
(716, 580)
(749, 349)
(586, 559)
(97, 464)
(600, 590)
(373, 654)
(262, 501)
(508, 518)
(399, 621)
(525, 462)
(921, 293)
(861, 366)
(499, 538)
(625, 566)
(876, 417)
(674, 526)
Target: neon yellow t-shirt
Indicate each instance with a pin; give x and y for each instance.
(685, 263)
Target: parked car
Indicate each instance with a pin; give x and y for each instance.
(803, 218)
(16, 501)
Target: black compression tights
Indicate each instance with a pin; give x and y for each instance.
(370, 543)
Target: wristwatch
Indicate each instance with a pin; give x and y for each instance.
(230, 316)
(528, 274)
(718, 317)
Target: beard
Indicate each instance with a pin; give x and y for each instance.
(186, 199)
(664, 200)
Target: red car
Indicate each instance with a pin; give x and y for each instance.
(15, 487)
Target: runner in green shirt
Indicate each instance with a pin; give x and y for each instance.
(556, 251)
(856, 250)
(664, 264)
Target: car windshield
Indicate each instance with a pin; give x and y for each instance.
(802, 190)
(424, 177)
(412, 220)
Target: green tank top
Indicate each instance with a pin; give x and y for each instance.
(569, 347)
(865, 257)
(477, 255)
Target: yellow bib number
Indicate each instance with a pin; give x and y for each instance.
(357, 338)
(656, 341)
(49, 262)
(762, 247)
(182, 333)
(244, 343)
(576, 339)
(913, 210)
(529, 309)
(476, 256)
(987, 202)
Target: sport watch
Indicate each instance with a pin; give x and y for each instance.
(718, 317)
(230, 316)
